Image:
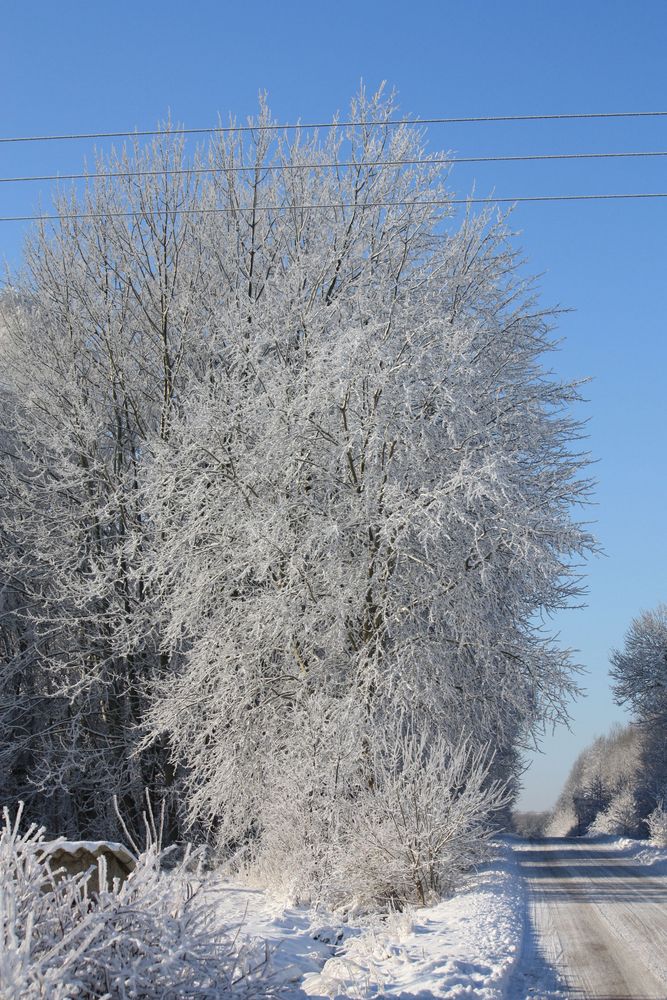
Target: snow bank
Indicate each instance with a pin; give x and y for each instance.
(642, 852)
(466, 946)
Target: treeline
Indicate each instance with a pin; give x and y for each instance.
(600, 793)
(618, 785)
(283, 486)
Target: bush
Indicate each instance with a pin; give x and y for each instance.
(153, 936)
(425, 818)
(657, 826)
(385, 822)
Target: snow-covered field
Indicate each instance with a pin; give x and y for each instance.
(466, 946)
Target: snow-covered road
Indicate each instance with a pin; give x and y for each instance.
(599, 919)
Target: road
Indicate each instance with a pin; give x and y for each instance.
(599, 924)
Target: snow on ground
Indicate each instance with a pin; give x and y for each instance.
(298, 939)
(94, 847)
(644, 853)
(466, 946)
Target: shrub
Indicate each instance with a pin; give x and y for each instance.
(657, 825)
(424, 819)
(389, 819)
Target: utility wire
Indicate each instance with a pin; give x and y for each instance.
(389, 123)
(439, 203)
(435, 161)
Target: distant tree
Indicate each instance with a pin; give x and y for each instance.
(656, 823)
(639, 675)
(619, 818)
(639, 670)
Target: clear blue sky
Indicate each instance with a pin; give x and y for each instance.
(87, 67)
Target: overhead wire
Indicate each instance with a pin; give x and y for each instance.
(287, 206)
(384, 123)
(424, 161)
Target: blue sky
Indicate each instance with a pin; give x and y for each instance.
(78, 67)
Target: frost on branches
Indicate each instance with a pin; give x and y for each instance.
(309, 491)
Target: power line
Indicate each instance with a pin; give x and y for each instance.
(436, 203)
(435, 161)
(388, 123)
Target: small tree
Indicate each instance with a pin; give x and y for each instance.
(657, 825)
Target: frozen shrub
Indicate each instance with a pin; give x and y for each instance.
(424, 819)
(382, 820)
(657, 825)
(154, 936)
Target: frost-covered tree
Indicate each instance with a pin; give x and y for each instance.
(369, 498)
(656, 823)
(639, 670)
(531, 824)
(639, 675)
(95, 335)
(289, 474)
(619, 818)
